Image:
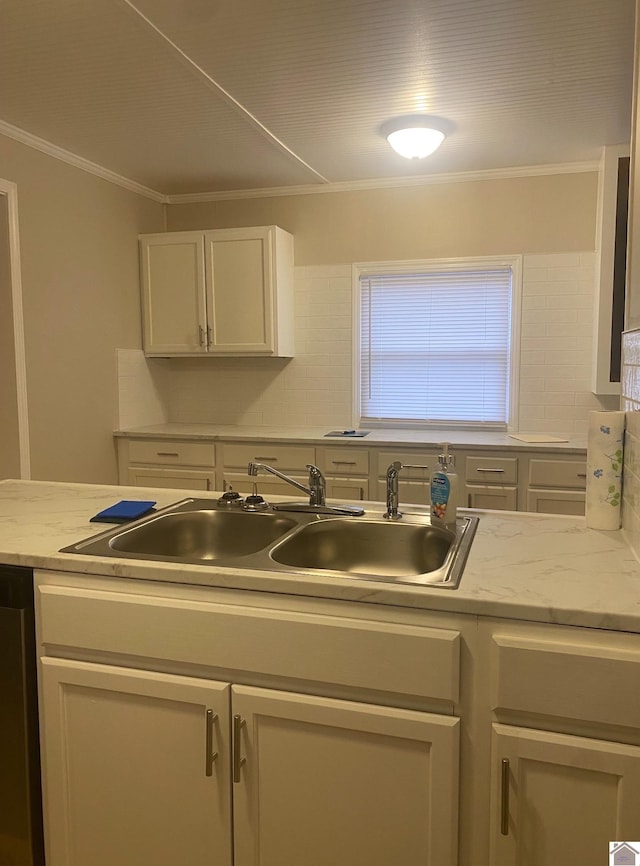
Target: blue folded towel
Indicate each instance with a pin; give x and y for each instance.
(126, 509)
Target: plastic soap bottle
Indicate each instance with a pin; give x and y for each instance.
(444, 489)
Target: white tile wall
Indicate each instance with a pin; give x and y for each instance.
(312, 389)
(141, 389)
(556, 344)
(315, 387)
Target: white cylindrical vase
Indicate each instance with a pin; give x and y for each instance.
(605, 455)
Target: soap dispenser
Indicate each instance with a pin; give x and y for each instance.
(444, 489)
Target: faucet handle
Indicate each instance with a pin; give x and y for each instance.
(317, 485)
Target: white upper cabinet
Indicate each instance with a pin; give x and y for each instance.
(218, 292)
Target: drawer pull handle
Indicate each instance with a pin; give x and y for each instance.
(270, 459)
(504, 798)
(480, 469)
(582, 474)
(167, 454)
(238, 761)
(209, 752)
(344, 462)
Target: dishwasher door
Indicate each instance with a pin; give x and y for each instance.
(20, 790)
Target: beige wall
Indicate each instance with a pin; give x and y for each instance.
(545, 214)
(9, 434)
(79, 257)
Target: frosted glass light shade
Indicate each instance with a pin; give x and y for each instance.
(415, 142)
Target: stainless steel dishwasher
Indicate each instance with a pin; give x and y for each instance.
(21, 837)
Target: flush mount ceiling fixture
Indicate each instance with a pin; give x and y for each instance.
(415, 136)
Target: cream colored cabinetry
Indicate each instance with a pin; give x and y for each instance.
(546, 482)
(130, 776)
(218, 292)
(557, 486)
(313, 769)
(492, 482)
(346, 472)
(288, 459)
(565, 742)
(180, 464)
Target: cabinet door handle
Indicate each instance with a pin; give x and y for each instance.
(167, 454)
(208, 332)
(238, 761)
(210, 754)
(504, 797)
(201, 335)
(480, 469)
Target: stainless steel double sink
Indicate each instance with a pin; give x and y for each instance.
(411, 550)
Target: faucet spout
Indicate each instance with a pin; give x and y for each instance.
(317, 486)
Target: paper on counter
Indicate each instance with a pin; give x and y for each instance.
(536, 437)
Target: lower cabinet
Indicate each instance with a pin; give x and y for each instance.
(554, 793)
(564, 743)
(153, 768)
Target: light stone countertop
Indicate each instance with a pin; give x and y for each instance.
(522, 566)
(396, 437)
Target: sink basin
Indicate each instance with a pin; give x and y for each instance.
(304, 540)
(202, 535)
(397, 551)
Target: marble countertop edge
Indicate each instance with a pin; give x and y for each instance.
(521, 566)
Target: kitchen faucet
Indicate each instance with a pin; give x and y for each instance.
(316, 488)
(393, 471)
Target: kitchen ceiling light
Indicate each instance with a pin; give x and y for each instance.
(414, 136)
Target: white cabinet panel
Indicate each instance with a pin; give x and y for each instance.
(335, 782)
(129, 773)
(560, 794)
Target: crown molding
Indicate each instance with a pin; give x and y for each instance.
(83, 164)
(388, 182)
(76, 161)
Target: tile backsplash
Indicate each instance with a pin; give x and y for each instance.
(315, 387)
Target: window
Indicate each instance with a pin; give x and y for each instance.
(437, 342)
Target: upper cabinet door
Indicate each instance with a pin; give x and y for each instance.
(173, 293)
(240, 290)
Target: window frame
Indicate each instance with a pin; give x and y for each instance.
(418, 266)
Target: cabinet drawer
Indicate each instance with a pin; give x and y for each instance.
(408, 458)
(587, 682)
(168, 451)
(558, 473)
(278, 456)
(492, 470)
(492, 496)
(174, 479)
(344, 651)
(557, 501)
(346, 461)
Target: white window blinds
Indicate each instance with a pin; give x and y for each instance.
(435, 346)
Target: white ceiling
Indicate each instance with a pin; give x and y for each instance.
(196, 96)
